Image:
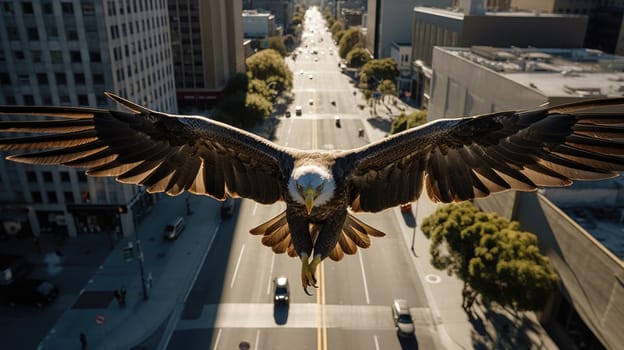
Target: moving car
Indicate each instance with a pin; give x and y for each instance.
(282, 292)
(310, 102)
(298, 110)
(174, 228)
(31, 292)
(402, 318)
(337, 118)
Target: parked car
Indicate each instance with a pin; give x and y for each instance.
(402, 318)
(174, 228)
(282, 291)
(13, 267)
(31, 292)
(227, 208)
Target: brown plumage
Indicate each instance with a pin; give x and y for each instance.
(452, 159)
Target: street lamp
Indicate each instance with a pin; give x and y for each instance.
(415, 213)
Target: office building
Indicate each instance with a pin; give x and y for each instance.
(579, 228)
(69, 53)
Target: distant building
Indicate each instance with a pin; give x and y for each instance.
(402, 55)
(582, 233)
(351, 17)
(438, 27)
(207, 46)
(258, 25)
(604, 29)
(69, 54)
(282, 10)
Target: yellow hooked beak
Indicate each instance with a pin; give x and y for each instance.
(309, 195)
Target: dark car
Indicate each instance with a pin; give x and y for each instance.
(282, 292)
(31, 292)
(13, 267)
(227, 208)
(402, 318)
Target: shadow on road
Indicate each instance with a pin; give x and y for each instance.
(380, 123)
(280, 313)
(408, 343)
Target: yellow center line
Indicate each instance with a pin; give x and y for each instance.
(321, 330)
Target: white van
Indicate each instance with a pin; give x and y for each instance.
(174, 229)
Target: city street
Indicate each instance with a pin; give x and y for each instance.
(231, 300)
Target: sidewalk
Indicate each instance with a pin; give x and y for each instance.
(489, 328)
(169, 271)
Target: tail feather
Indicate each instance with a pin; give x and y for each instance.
(355, 233)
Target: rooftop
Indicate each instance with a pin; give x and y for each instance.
(555, 72)
(456, 13)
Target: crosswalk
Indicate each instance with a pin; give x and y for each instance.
(261, 315)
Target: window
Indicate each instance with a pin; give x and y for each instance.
(33, 34)
(47, 8)
(52, 197)
(98, 78)
(83, 100)
(75, 56)
(36, 196)
(42, 78)
(68, 8)
(27, 8)
(65, 176)
(60, 78)
(19, 55)
(5, 79)
(95, 56)
(36, 56)
(47, 176)
(29, 100)
(69, 197)
(31, 177)
(82, 177)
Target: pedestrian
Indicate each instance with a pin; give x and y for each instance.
(122, 296)
(83, 341)
(117, 296)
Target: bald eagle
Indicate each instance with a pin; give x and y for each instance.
(452, 159)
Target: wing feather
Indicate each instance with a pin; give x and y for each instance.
(165, 153)
(473, 157)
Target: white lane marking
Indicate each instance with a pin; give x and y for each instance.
(271, 273)
(253, 212)
(363, 276)
(376, 342)
(240, 257)
(217, 340)
(257, 339)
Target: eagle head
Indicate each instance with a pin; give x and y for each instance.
(311, 185)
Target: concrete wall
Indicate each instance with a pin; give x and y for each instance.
(592, 278)
(461, 87)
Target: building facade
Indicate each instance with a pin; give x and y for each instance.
(207, 46)
(69, 53)
(439, 27)
(589, 308)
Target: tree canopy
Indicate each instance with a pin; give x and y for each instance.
(277, 43)
(408, 121)
(491, 255)
(349, 39)
(269, 66)
(357, 57)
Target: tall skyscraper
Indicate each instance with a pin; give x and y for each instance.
(68, 53)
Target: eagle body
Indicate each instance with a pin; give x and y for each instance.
(449, 159)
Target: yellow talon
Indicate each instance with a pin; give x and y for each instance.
(308, 271)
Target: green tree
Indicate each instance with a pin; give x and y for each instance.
(491, 256)
(335, 28)
(377, 70)
(357, 57)
(276, 43)
(408, 121)
(387, 87)
(269, 66)
(349, 39)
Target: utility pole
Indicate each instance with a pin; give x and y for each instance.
(141, 269)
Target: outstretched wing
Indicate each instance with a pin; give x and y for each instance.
(164, 153)
(461, 159)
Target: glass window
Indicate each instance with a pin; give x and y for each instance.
(47, 176)
(64, 176)
(12, 33)
(56, 56)
(75, 56)
(60, 78)
(68, 8)
(36, 196)
(33, 34)
(42, 78)
(31, 176)
(27, 8)
(52, 197)
(69, 197)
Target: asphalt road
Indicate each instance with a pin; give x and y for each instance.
(231, 300)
